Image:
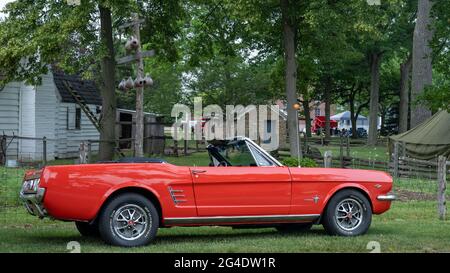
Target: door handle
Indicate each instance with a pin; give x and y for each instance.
(198, 171)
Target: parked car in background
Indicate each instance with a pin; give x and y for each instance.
(360, 133)
(126, 202)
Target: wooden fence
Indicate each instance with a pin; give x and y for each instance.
(400, 166)
(341, 140)
(6, 140)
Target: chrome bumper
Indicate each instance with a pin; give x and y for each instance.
(33, 202)
(387, 197)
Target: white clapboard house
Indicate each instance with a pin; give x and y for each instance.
(65, 109)
(48, 110)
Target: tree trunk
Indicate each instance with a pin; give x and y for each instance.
(107, 88)
(307, 117)
(405, 69)
(327, 107)
(374, 97)
(139, 132)
(421, 61)
(290, 79)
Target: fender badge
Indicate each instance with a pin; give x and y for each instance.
(377, 186)
(316, 199)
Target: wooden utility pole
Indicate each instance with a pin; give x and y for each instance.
(139, 132)
(140, 83)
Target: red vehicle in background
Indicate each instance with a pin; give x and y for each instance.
(319, 124)
(127, 201)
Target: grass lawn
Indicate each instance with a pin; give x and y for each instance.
(407, 227)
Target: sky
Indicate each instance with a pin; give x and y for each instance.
(2, 5)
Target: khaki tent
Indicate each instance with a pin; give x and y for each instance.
(428, 140)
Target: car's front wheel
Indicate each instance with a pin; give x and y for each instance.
(348, 213)
(129, 220)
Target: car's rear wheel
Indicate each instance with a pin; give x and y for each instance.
(88, 229)
(129, 220)
(301, 227)
(348, 213)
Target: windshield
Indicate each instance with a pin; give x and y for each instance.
(237, 153)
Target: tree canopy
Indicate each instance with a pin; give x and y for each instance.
(348, 53)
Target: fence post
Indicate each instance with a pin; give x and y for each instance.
(396, 156)
(44, 151)
(306, 143)
(83, 154)
(348, 146)
(89, 153)
(403, 149)
(341, 151)
(442, 173)
(3, 150)
(327, 158)
(175, 141)
(186, 143)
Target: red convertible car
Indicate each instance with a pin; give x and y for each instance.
(125, 202)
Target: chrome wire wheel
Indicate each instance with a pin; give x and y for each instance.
(130, 222)
(349, 214)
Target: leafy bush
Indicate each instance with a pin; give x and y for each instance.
(304, 162)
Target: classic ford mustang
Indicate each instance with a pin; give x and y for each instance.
(125, 202)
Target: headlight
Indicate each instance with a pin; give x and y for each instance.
(30, 186)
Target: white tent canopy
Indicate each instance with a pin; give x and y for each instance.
(344, 121)
(346, 116)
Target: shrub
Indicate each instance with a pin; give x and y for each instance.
(304, 162)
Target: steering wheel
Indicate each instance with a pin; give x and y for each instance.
(223, 164)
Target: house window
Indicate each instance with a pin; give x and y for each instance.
(317, 112)
(78, 118)
(73, 118)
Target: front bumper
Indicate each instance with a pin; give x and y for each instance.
(33, 202)
(387, 197)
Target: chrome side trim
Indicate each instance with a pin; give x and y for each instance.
(242, 219)
(388, 197)
(177, 196)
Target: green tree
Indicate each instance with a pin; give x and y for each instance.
(37, 34)
(421, 60)
(437, 96)
(81, 39)
(218, 64)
